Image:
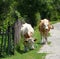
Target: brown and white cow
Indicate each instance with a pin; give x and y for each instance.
(28, 31)
(44, 28)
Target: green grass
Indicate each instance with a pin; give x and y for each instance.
(49, 43)
(32, 54)
(28, 55)
(53, 22)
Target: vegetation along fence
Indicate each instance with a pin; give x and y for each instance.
(9, 38)
(6, 40)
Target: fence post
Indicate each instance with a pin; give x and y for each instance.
(13, 43)
(9, 39)
(7, 44)
(5, 39)
(0, 43)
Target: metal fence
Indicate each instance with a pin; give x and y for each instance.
(6, 40)
(9, 38)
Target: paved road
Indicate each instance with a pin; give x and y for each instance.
(53, 49)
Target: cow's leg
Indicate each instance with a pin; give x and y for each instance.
(46, 35)
(25, 46)
(46, 40)
(43, 40)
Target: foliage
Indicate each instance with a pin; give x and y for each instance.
(32, 54)
(28, 9)
(31, 11)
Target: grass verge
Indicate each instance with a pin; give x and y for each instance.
(32, 54)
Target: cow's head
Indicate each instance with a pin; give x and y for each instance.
(29, 42)
(45, 24)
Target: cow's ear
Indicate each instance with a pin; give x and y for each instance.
(52, 27)
(35, 39)
(41, 21)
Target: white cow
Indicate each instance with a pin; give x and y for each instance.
(28, 31)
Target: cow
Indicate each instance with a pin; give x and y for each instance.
(44, 28)
(27, 31)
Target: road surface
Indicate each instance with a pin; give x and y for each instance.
(53, 49)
